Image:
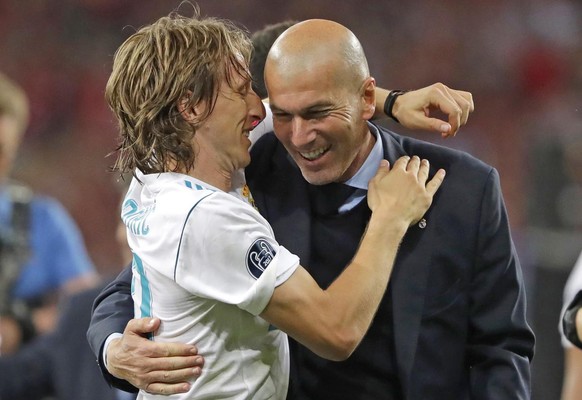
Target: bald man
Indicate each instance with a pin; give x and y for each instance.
(463, 336)
(452, 324)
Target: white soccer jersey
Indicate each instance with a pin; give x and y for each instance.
(206, 263)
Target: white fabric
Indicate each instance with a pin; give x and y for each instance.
(265, 126)
(196, 249)
(573, 286)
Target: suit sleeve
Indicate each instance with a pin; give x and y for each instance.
(112, 310)
(501, 343)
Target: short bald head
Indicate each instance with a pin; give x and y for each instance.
(321, 95)
(314, 44)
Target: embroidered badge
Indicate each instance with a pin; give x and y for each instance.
(246, 193)
(259, 256)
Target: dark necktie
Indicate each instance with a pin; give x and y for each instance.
(327, 199)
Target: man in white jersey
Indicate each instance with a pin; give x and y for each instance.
(206, 263)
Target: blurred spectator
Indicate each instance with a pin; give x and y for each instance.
(491, 47)
(42, 254)
(60, 365)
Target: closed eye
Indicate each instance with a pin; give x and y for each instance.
(316, 114)
(281, 116)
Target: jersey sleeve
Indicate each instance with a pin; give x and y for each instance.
(228, 253)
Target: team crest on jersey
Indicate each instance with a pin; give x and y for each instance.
(259, 256)
(246, 193)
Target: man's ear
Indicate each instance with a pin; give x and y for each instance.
(368, 98)
(190, 112)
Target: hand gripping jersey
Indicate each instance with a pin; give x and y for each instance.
(206, 263)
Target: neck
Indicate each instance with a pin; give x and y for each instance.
(362, 156)
(212, 175)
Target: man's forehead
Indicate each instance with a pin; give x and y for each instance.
(298, 102)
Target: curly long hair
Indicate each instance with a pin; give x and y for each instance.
(176, 59)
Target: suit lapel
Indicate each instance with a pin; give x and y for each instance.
(409, 280)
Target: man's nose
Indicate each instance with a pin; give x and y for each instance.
(256, 108)
(301, 131)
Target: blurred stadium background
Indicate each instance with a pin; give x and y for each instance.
(521, 59)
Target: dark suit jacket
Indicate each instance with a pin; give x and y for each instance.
(60, 364)
(457, 289)
(458, 295)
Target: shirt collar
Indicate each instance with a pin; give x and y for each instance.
(368, 169)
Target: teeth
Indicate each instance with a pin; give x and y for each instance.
(312, 155)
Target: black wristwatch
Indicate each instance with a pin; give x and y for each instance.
(389, 103)
(569, 326)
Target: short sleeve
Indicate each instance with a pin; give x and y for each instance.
(228, 253)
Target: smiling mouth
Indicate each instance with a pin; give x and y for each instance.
(315, 154)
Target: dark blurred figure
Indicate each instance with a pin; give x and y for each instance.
(60, 365)
(42, 253)
(262, 42)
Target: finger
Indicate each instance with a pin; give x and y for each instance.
(437, 125)
(435, 183)
(401, 163)
(468, 96)
(171, 349)
(465, 102)
(384, 165)
(174, 363)
(167, 389)
(173, 375)
(423, 171)
(162, 371)
(445, 102)
(383, 169)
(413, 165)
(453, 113)
(142, 326)
(454, 121)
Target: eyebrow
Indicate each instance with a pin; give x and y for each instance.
(242, 86)
(318, 106)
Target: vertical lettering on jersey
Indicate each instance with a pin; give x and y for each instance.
(135, 218)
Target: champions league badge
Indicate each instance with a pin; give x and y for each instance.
(259, 256)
